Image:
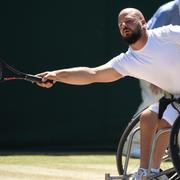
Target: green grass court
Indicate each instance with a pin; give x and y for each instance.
(57, 166)
(60, 166)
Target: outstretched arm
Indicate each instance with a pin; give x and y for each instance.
(81, 75)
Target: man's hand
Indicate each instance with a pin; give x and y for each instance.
(47, 76)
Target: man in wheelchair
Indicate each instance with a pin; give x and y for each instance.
(154, 56)
(158, 116)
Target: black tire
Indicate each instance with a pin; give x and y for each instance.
(123, 139)
(175, 145)
(167, 165)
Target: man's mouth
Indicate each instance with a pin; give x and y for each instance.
(126, 31)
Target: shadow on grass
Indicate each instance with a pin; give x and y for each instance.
(54, 151)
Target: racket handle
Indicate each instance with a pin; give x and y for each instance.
(33, 78)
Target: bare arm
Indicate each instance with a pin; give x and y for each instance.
(81, 75)
(155, 89)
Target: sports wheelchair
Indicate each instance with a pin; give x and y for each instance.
(170, 165)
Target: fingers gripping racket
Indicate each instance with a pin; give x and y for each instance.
(8, 73)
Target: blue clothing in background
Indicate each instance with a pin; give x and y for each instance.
(166, 14)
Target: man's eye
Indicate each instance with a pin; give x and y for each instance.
(129, 21)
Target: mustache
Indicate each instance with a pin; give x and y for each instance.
(126, 29)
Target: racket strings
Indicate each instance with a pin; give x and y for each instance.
(11, 68)
(9, 73)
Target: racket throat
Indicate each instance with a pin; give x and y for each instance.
(11, 78)
(32, 78)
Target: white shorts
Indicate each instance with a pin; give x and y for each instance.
(170, 114)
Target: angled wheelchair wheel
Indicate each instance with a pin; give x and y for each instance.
(175, 145)
(120, 156)
(133, 163)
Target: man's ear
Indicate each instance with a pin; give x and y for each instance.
(143, 21)
(144, 24)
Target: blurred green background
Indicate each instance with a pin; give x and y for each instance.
(40, 35)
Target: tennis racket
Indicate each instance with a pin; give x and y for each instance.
(9, 73)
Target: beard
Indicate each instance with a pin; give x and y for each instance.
(135, 36)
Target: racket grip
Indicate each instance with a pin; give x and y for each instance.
(33, 78)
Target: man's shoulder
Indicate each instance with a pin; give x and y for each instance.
(165, 28)
(165, 33)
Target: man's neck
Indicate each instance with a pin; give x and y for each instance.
(141, 42)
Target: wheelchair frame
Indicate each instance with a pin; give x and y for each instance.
(130, 131)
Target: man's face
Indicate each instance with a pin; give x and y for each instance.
(130, 28)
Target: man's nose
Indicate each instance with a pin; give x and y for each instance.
(122, 25)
